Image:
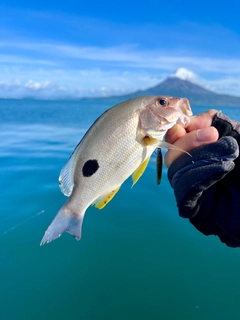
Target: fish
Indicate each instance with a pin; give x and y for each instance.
(118, 145)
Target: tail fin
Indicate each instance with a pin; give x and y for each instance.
(65, 221)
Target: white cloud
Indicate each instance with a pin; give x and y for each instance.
(97, 83)
(21, 59)
(226, 85)
(75, 83)
(33, 85)
(128, 56)
(18, 89)
(46, 70)
(185, 74)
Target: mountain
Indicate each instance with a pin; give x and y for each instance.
(197, 95)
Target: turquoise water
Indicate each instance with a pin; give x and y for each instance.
(137, 259)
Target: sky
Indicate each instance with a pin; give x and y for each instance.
(71, 49)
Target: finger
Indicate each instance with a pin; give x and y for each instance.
(175, 133)
(202, 120)
(190, 141)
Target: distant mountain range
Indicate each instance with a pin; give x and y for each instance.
(174, 86)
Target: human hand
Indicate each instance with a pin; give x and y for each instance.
(199, 132)
(206, 184)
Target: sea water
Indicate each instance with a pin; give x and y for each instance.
(137, 258)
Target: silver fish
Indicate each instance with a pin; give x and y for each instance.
(118, 144)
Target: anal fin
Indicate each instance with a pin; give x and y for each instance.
(138, 173)
(103, 201)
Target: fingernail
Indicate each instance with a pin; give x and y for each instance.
(204, 134)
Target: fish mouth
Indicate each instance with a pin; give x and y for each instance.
(184, 107)
(185, 111)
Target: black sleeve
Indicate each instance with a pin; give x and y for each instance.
(207, 185)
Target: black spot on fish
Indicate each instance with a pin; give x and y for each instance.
(90, 167)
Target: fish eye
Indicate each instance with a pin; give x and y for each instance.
(162, 102)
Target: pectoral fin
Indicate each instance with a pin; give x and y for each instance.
(154, 138)
(149, 141)
(137, 173)
(154, 134)
(164, 144)
(101, 202)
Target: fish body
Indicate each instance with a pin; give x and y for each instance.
(119, 144)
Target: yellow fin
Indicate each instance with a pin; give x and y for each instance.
(149, 141)
(100, 204)
(137, 173)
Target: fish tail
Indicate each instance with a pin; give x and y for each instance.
(65, 221)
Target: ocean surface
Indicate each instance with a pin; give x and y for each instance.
(137, 258)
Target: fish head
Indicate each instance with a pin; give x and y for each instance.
(172, 108)
(162, 112)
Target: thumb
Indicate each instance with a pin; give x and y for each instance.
(190, 141)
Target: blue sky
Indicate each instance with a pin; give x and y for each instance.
(62, 49)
